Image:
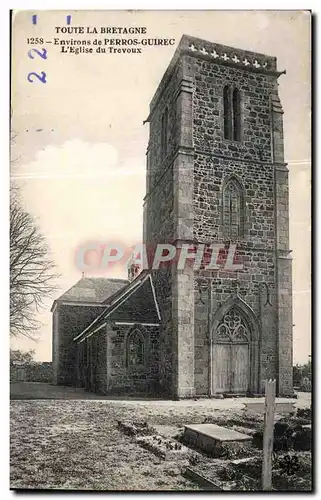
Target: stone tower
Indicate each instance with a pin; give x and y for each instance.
(216, 174)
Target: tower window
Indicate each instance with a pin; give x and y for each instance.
(233, 210)
(236, 115)
(232, 113)
(164, 133)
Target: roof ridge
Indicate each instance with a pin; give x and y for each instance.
(102, 278)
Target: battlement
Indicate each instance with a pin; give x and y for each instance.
(220, 54)
(224, 54)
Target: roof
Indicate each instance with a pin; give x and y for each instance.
(136, 303)
(93, 290)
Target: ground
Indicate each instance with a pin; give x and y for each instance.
(69, 442)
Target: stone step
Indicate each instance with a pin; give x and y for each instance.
(210, 436)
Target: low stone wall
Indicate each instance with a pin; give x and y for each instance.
(35, 372)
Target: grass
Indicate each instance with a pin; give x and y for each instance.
(77, 445)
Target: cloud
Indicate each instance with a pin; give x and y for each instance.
(78, 192)
(77, 159)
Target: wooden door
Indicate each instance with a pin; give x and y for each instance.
(240, 368)
(231, 354)
(231, 368)
(221, 368)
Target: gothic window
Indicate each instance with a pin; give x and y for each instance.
(233, 210)
(135, 349)
(232, 113)
(232, 328)
(164, 133)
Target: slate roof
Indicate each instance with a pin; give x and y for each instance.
(93, 290)
(135, 303)
(139, 307)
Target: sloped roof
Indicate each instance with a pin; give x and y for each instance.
(93, 290)
(139, 307)
(136, 303)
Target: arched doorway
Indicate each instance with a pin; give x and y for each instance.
(234, 349)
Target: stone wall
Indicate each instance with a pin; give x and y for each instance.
(32, 372)
(72, 320)
(283, 254)
(123, 378)
(97, 376)
(250, 162)
(159, 224)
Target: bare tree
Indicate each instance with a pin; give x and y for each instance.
(32, 275)
(22, 356)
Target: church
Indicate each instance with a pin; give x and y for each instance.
(215, 174)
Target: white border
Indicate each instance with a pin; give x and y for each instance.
(4, 181)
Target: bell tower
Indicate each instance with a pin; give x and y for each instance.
(216, 174)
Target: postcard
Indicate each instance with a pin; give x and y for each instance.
(160, 242)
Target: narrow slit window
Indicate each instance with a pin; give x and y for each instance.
(232, 113)
(236, 115)
(227, 113)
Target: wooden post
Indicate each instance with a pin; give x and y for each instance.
(268, 435)
(210, 340)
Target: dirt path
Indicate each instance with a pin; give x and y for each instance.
(38, 390)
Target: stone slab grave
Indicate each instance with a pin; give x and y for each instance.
(207, 437)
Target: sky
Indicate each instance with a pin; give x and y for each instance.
(80, 143)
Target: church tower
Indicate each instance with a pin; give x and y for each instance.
(216, 175)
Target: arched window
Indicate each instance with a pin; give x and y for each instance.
(232, 113)
(232, 328)
(135, 349)
(233, 209)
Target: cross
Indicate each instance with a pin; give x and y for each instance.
(215, 54)
(192, 48)
(246, 62)
(256, 64)
(204, 51)
(235, 59)
(225, 57)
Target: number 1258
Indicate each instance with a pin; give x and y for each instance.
(34, 41)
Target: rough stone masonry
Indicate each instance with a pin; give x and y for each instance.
(216, 174)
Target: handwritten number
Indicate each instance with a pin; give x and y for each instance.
(42, 78)
(43, 55)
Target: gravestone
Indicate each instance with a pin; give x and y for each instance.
(209, 437)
